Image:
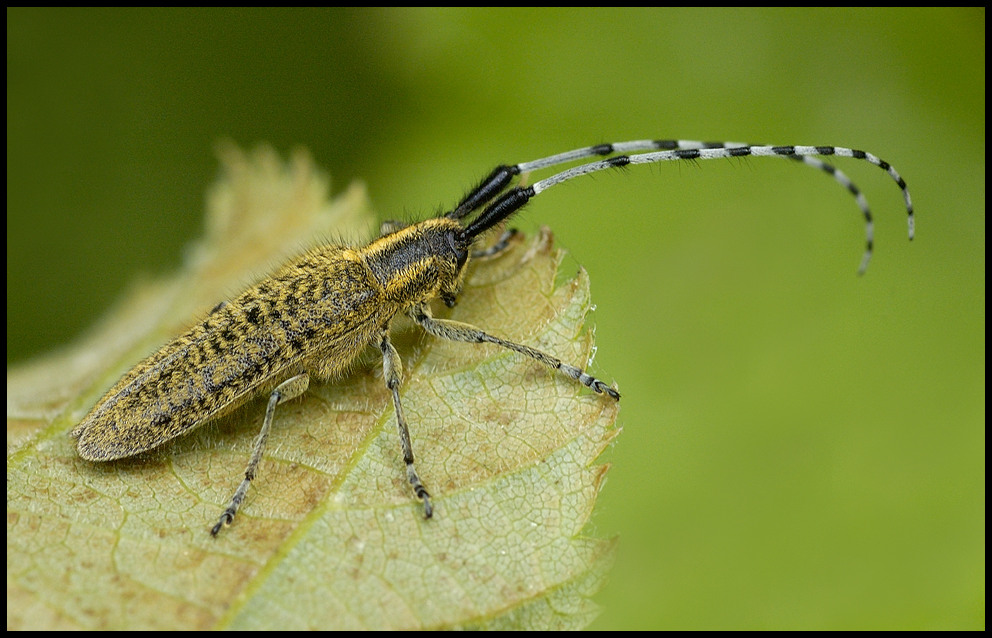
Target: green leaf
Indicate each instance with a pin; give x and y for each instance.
(330, 536)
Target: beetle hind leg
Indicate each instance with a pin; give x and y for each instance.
(288, 389)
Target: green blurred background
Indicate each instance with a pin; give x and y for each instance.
(802, 448)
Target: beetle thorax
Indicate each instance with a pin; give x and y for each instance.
(421, 262)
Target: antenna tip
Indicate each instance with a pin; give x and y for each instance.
(864, 264)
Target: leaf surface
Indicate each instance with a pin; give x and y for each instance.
(330, 536)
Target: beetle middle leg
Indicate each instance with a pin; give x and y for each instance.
(392, 372)
(288, 389)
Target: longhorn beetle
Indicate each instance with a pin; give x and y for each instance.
(314, 315)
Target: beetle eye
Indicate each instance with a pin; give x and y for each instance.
(461, 255)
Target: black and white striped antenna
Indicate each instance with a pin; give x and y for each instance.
(501, 203)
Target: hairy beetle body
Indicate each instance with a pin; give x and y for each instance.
(314, 315)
